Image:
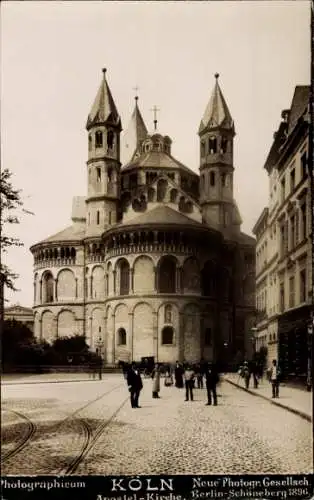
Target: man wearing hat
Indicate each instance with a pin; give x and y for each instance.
(135, 385)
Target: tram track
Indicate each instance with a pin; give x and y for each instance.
(90, 440)
(32, 427)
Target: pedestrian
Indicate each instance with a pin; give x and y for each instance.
(274, 379)
(178, 375)
(168, 377)
(254, 371)
(211, 383)
(189, 379)
(199, 377)
(246, 374)
(156, 381)
(135, 385)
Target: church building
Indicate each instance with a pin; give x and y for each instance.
(154, 263)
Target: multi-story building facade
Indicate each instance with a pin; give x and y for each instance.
(285, 229)
(154, 263)
(21, 314)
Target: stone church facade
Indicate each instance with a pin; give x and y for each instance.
(154, 262)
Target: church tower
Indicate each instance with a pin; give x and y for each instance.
(216, 134)
(103, 164)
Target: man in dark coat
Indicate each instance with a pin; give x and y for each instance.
(178, 375)
(135, 385)
(211, 382)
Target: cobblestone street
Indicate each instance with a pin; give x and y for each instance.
(88, 427)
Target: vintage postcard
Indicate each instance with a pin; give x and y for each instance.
(156, 239)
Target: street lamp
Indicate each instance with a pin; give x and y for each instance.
(99, 345)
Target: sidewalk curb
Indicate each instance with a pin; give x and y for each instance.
(50, 382)
(292, 410)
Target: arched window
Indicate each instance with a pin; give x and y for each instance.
(124, 277)
(98, 171)
(212, 178)
(167, 335)
(121, 336)
(161, 189)
(167, 275)
(212, 145)
(109, 173)
(48, 288)
(90, 142)
(173, 195)
(98, 139)
(98, 217)
(168, 313)
(224, 145)
(110, 139)
(151, 194)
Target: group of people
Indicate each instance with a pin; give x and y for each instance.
(249, 369)
(185, 376)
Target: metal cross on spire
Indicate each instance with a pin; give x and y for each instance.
(155, 110)
(136, 89)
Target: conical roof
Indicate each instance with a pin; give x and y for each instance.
(135, 133)
(104, 108)
(217, 113)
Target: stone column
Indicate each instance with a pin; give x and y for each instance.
(131, 279)
(178, 279)
(156, 281)
(76, 288)
(129, 338)
(40, 328)
(41, 291)
(114, 273)
(55, 328)
(55, 289)
(155, 335)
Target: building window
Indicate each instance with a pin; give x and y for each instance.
(208, 336)
(124, 277)
(98, 217)
(303, 222)
(109, 218)
(168, 313)
(48, 288)
(283, 189)
(167, 335)
(98, 139)
(110, 139)
(291, 291)
(286, 233)
(90, 142)
(212, 178)
(282, 297)
(121, 336)
(109, 174)
(98, 170)
(302, 286)
(212, 145)
(202, 149)
(282, 240)
(224, 145)
(292, 180)
(224, 180)
(304, 165)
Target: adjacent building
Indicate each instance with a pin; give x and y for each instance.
(154, 263)
(283, 249)
(19, 313)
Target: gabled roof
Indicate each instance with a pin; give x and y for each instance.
(217, 113)
(104, 108)
(161, 215)
(157, 159)
(71, 233)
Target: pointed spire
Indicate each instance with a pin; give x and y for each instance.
(136, 132)
(217, 113)
(104, 108)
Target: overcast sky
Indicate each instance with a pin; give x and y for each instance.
(52, 54)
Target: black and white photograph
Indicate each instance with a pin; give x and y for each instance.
(156, 240)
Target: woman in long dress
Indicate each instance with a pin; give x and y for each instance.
(178, 375)
(156, 381)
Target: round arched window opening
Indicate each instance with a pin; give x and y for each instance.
(167, 335)
(121, 336)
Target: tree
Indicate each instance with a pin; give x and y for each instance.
(10, 203)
